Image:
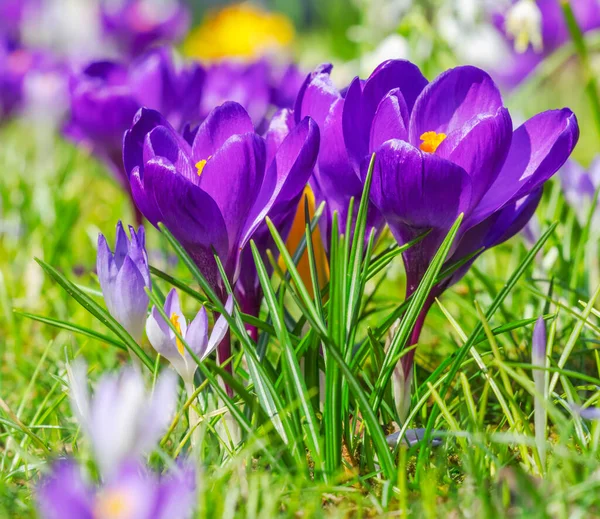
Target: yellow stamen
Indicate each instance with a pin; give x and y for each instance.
(113, 504)
(201, 163)
(431, 141)
(175, 321)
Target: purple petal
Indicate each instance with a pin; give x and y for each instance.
(130, 303)
(390, 121)
(162, 141)
(190, 214)
(286, 178)
(159, 336)
(173, 307)
(222, 123)
(137, 252)
(539, 148)
(134, 140)
(121, 245)
(280, 126)
(220, 329)
(417, 190)
(233, 177)
(107, 270)
(177, 497)
(480, 147)
(363, 101)
(316, 95)
(64, 495)
(452, 100)
(197, 333)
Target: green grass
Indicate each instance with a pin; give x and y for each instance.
(473, 384)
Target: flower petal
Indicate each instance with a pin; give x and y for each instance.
(539, 148)
(222, 123)
(416, 190)
(480, 147)
(316, 95)
(130, 303)
(197, 333)
(362, 102)
(452, 100)
(390, 121)
(220, 329)
(191, 215)
(233, 178)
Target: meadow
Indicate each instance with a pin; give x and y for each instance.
(382, 349)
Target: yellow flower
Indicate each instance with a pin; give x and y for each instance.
(240, 30)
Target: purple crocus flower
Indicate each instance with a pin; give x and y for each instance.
(164, 341)
(133, 492)
(445, 148)
(124, 277)
(122, 421)
(336, 178)
(136, 25)
(535, 29)
(285, 85)
(245, 83)
(579, 186)
(106, 95)
(17, 66)
(214, 192)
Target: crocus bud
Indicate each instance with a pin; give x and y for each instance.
(164, 341)
(124, 277)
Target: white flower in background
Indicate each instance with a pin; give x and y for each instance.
(123, 421)
(524, 25)
(164, 341)
(465, 26)
(68, 27)
(393, 47)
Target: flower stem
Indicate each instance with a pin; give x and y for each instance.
(193, 416)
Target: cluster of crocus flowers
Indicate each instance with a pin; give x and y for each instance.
(105, 95)
(123, 422)
(136, 25)
(213, 187)
(535, 29)
(442, 148)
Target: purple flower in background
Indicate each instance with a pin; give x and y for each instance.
(336, 178)
(445, 148)
(132, 492)
(17, 66)
(535, 29)
(245, 83)
(579, 186)
(106, 95)
(12, 14)
(164, 341)
(136, 25)
(122, 421)
(285, 85)
(124, 277)
(215, 191)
